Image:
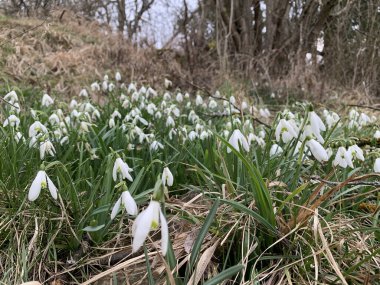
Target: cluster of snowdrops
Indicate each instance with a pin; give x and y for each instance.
(136, 110)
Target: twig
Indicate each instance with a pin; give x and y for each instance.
(363, 183)
(14, 106)
(364, 106)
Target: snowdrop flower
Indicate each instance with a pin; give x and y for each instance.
(47, 100)
(340, 157)
(152, 92)
(244, 105)
(111, 123)
(316, 123)
(73, 104)
(18, 137)
(317, 150)
(179, 97)
(54, 119)
(83, 93)
(212, 104)
(12, 121)
(264, 113)
(170, 122)
(377, 135)
(121, 168)
(105, 85)
(232, 100)
(142, 90)
(64, 140)
(167, 177)
(172, 133)
(236, 138)
(132, 88)
(167, 83)
(167, 96)
(364, 119)
(11, 97)
(128, 202)
(285, 131)
(95, 86)
(275, 149)
(376, 166)
(192, 135)
(37, 128)
(46, 147)
(353, 152)
(116, 114)
(118, 76)
(198, 100)
(84, 127)
(331, 118)
(155, 145)
(148, 220)
(187, 95)
(42, 181)
(111, 87)
(356, 151)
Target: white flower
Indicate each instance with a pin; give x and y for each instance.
(155, 145)
(377, 135)
(118, 76)
(236, 138)
(316, 124)
(111, 87)
(167, 96)
(275, 150)
(147, 220)
(46, 147)
(285, 131)
(356, 151)
(12, 121)
(264, 113)
(317, 150)
(54, 119)
(167, 83)
(18, 137)
(111, 123)
(179, 97)
(167, 177)
(36, 128)
(152, 92)
(232, 100)
(47, 100)
(212, 104)
(340, 157)
(376, 166)
(198, 100)
(192, 135)
(121, 167)
(83, 93)
(105, 85)
(42, 181)
(95, 86)
(128, 202)
(11, 97)
(170, 122)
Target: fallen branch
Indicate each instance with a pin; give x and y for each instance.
(363, 183)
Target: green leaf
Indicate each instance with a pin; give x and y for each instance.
(224, 275)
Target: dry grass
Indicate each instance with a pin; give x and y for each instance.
(62, 55)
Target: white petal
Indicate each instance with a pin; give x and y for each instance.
(129, 203)
(114, 171)
(142, 228)
(35, 188)
(115, 209)
(53, 190)
(164, 234)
